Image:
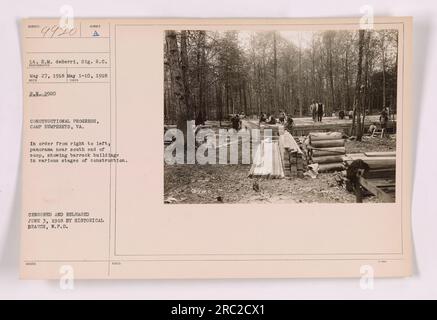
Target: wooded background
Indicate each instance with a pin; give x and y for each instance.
(226, 72)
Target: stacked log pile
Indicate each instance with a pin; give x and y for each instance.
(327, 149)
(291, 154)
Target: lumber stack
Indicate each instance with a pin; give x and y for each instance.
(327, 149)
(291, 154)
(373, 172)
(267, 162)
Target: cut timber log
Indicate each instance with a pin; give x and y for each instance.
(380, 173)
(380, 154)
(325, 167)
(376, 162)
(381, 163)
(328, 159)
(327, 143)
(328, 151)
(317, 136)
(383, 182)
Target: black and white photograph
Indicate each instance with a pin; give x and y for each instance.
(280, 116)
(218, 155)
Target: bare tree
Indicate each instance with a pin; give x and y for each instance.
(178, 94)
(356, 122)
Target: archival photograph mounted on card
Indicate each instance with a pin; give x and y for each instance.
(216, 148)
(280, 116)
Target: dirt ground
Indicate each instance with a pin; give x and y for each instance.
(369, 144)
(231, 184)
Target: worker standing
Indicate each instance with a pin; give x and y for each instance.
(383, 120)
(313, 110)
(282, 117)
(236, 122)
(289, 124)
(320, 111)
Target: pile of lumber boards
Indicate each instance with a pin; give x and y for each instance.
(291, 154)
(371, 172)
(267, 162)
(327, 149)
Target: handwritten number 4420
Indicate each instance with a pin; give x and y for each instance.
(57, 31)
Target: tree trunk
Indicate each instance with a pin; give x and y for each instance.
(275, 74)
(177, 82)
(366, 98)
(331, 72)
(201, 72)
(300, 82)
(348, 96)
(384, 98)
(185, 68)
(356, 122)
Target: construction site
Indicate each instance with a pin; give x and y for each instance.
(319, 163)
(324, 104)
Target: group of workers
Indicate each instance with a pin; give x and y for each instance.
(317, 111)
(284, 119)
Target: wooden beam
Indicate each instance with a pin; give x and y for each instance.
(325, 167)
(317, 136)
(380, 173)
(328, 143)
(381, 154)
(328, 159)
(375, 162)
(290, 143)
(331, 151)
(368, 185)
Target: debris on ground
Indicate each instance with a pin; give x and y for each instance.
(313, 170)
(170, 200)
